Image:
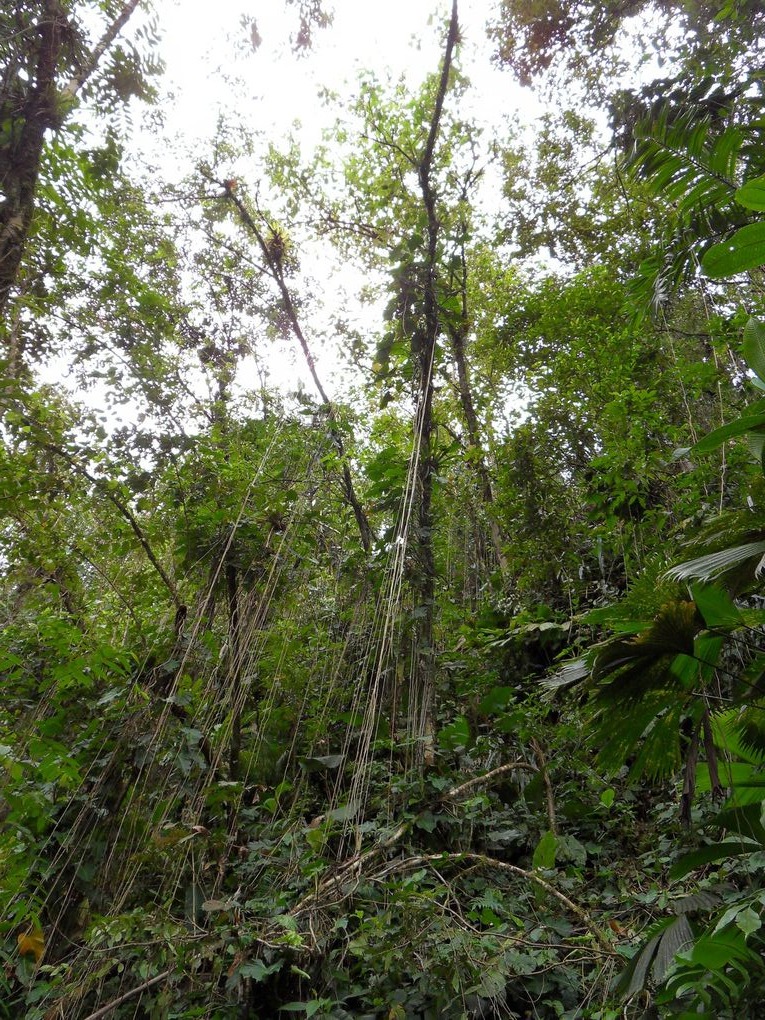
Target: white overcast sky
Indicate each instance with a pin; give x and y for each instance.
(211, 69)
(204, 42)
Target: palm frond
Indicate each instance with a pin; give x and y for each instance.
(570, 673)
(714, 565)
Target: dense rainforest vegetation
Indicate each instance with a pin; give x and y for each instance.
(432, 686)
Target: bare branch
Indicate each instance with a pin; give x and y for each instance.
(459, 791)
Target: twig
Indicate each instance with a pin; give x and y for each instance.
(353, 866)
(91, 62)
(530, 876)
(349, 867)
(104, 1010)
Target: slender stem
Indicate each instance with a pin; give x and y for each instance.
(234, 631)
(548, 785)
(103, 487)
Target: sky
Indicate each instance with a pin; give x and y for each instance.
(396, 37)
(213, 70)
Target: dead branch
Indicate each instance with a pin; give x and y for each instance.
(457, 791)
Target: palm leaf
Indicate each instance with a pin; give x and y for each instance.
(716, 564)
(671, 633)
(618, 733)
(570, 673)
(656, 954)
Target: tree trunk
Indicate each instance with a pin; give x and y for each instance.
(31, 109)
(421, 715)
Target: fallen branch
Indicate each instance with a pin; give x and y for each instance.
(457, 791)
(350, 870)
(105, 1010)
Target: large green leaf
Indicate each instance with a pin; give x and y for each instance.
(754, 346)
(707, 567)
(546, 852)
(716, 606)
(667, 937)
(727, 732)
(744, 250)
(671, 633)
(737, 427)
(722, 948)
(711, 855)
(745, 820)
(751, 194)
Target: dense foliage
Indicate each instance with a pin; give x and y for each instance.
(435, 690)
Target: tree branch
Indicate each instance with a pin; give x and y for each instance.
(122, 508)
(458, 791)
(275, 270)
(89, 65)
(105, 1010)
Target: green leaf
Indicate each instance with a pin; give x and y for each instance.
(744, 250)
(676, 937)
(748, 921)
(256, 970)
(754, 347)
(309, 1008)
(706, 568)
(711, 855)
(607, 797)
(426, 821)
(546, 852)
(496, 700)
(726, 729)
(716, 606)
(456, 734)
(634, 976)
(734, 774)
(737, 427)
(751, 194)
(345, 812)
(744, 820)
(716, 951)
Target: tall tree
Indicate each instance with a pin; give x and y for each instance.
(46, 63)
